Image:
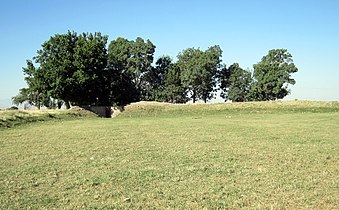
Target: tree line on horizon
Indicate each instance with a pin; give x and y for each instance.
(79, 69)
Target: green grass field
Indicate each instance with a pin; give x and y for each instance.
(273, 155)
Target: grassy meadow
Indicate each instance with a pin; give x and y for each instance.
(272, 155)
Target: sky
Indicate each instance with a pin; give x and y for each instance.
(244, 29)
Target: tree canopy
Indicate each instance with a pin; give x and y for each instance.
(129, 62)
(72, 65)
(36, 93)
(199, 69)
(235, 83)
(80, 69)
(272, 76)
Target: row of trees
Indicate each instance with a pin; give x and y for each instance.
(79, 69)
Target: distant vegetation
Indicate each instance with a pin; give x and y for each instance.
(80, 69)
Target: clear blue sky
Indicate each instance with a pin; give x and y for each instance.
(245, 30)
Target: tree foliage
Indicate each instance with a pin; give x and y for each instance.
(272, 75)
(36, 94)
(199, 70)
(154, 79)
(235, 83)
(174, 89)
(81, 70)
(129, 62)
(73, 64)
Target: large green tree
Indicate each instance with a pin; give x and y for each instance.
(154, 79)
(141, 60)
(272, 76)
(121, 88)
(129, 62)
(90, 60)
(235, 83)
(199, 70)
(174, 90)
(72, 66)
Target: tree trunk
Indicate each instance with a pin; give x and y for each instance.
(193, 96)
(67, 104)
(59, 104)
(38, 105)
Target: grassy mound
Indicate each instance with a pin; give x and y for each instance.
(156, 108)
(11, 118)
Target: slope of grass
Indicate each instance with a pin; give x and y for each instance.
(156, 108)
(11, 118)
(186, 158)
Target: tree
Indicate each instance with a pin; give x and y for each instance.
(141, 60)
(235, 83)
(36, 93)
(72, 65)
(121, 88)
(128, 62)
(272, 75)
(174, 90)
(212, 58)
(154, 79)
(199, 70)
(90, 60)
(26, 94)
(224, 76)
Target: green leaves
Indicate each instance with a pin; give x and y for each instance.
(270, 81)
(37, 92)
(79, 69)
(174, 89)
(235, 83)
(128, 63)
(72, 64)
(273, 75)
(199, 70)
